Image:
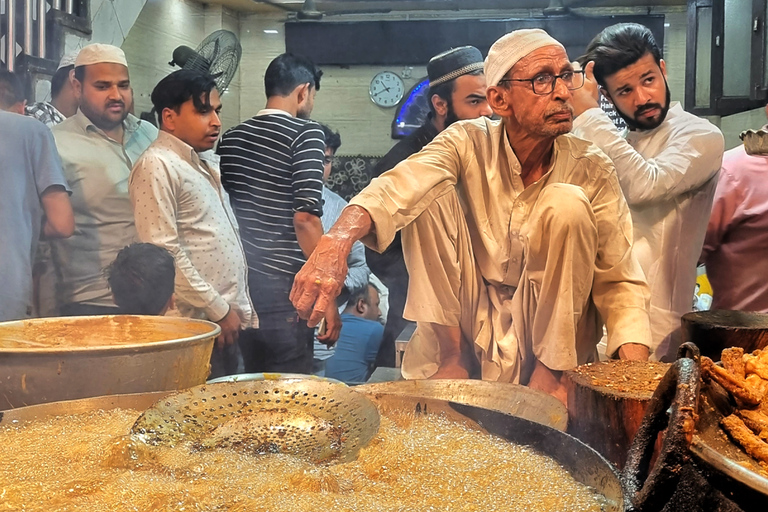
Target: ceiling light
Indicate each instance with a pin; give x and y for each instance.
(270, 31)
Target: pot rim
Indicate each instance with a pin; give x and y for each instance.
(97, 349)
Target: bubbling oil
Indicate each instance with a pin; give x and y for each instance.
(86, 463)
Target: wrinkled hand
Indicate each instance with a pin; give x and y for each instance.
(230, 329)
(634, 352)
(332, 327)
(320, 280)
(586, 97)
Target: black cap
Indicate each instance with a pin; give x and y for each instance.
(452, 64)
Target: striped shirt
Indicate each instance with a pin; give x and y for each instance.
(272, 167)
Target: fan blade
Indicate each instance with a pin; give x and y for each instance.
(282, 7)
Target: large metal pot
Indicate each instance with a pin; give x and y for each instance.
(585, 464)
(54, 359)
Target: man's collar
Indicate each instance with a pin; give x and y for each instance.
(186, 151)
(273, 112)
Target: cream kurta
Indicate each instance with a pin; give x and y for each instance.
(474, 158)
(668, 176)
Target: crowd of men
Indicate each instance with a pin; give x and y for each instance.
(510, 243)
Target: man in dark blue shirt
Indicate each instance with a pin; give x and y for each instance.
(360, 337)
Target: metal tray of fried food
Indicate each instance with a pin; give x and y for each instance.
(712, 445)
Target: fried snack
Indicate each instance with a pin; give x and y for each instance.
(757, 363)
(758, 385)
(734, 385)
(755, 420)
(752, 444)
(733, 361)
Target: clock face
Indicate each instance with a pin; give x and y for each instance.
(386, 89)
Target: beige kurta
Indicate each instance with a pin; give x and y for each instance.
(504, 225)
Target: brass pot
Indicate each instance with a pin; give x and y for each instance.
(54, 359)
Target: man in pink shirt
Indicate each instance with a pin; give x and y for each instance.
(736, 243)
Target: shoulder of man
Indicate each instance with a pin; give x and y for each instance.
(576, 148)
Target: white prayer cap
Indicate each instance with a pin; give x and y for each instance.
(68, 60)
(98, 53)
(512, 47)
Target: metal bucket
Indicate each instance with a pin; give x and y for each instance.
(55, 359)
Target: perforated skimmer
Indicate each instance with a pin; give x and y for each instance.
(313, 419)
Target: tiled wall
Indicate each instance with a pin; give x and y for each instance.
(343, 100)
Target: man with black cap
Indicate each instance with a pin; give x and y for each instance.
(456, 92)
(516, 236)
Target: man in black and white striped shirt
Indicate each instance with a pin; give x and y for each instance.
(272, 167)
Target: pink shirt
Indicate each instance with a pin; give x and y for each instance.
(736, 245)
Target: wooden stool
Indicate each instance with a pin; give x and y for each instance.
(712, 331)
(606, 403)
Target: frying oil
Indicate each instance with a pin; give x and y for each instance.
(87, 462)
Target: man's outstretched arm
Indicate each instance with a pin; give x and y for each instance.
(320, 280)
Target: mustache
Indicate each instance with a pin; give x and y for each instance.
(111, 103)
(565, 108)
(645, 108)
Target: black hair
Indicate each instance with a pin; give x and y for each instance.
(11, 89)
(445, 90)
(59, 79)
(619, 46)
(332, 138)
(142, 279)
(360, 293)
(177, 88)
(288, 71)
(80, 73)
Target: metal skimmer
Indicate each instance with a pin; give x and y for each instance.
(313, 419)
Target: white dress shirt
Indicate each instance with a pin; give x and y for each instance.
(668, 176)
(179, 204)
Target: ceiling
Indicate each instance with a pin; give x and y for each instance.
(362, 6)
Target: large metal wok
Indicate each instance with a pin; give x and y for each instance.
(584, 464)
(54, 359)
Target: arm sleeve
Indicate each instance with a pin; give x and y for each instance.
(688, 160)
(397, 197)
(307, 170)
(619, 290)
(728, 199)
(46, 163)
(153, 197)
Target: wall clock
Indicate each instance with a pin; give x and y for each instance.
(386, 89)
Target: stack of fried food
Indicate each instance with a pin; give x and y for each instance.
(745, 377)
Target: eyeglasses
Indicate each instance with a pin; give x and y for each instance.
(545, 83)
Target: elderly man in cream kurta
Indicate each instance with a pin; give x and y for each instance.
(516, 235)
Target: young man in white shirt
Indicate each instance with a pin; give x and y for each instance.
(180, 204)
(667, 167)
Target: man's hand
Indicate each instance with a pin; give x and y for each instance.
(320, 280)
(634, 352)
(230, 329)
(549, 381)
(332, 327)
(586, 97)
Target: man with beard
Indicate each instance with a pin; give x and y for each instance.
(667, 167)
(516, 236)
(98, 147)
(180, 205)
(456, 92)
(272, 167)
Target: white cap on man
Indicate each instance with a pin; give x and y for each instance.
(98, 53)
(68, 60)
(512, 47)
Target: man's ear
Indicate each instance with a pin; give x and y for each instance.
(440, 105)
(360, 306)
(663, 66)
(77, 85)
(303, 93)
(168, 119)
(605, 93)
(498, 100)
